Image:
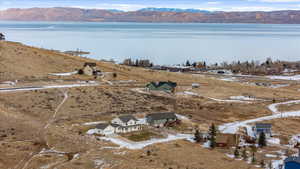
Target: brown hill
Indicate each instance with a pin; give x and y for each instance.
(97, 15)
(25, 115)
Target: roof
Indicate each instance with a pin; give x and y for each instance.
(159, 116)
(161, 83)
(263, 125)
(102, 126)
(127, 118)
(292, 159)
(115, 125)
(90, 64)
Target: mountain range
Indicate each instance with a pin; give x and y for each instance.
(149, 15)
(173, 10)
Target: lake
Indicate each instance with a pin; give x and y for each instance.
(163, 43)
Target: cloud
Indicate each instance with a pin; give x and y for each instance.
(214, 3)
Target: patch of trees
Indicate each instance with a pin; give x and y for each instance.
(268, 67)
(138, 63)
(195, 64)
(2, 36)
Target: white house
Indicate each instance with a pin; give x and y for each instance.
(126, 120)
(121, 124)
(126, 123)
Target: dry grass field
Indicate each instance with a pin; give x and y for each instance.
(45, 119)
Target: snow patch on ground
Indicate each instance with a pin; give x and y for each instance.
(230, 101)
(187, 93)
(279, 86)
(190, 93)
(229, 79)
(295, 77)
(230, 155)
(93, 123)
(140, 145)
(76, 156)
(270, 155)
(109, 148)
(64, 74)
(47, 87)
(139, 90)
(206, 144)
(273, 141)
(244, 98)
(241, 98)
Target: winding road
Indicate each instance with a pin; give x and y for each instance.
(234, 127)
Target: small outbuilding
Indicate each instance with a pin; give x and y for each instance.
(195, 85)
(227, 140)
(90, 68)
(262, 128)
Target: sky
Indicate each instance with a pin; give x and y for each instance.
(131, 5)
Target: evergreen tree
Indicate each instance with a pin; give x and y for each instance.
(236, 153)
(270, 165)
(253, 160)
(194, 64)
(213, 130)
(2, 37)
(188, 63)
(244, 154)
(197, 136)
(262, 140)
(137, 62)
(212, 141)
(262, 164)
(212, 134)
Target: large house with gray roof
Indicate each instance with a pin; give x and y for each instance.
(162, 86)
(160, 119)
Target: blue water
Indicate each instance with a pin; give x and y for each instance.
(162, 43)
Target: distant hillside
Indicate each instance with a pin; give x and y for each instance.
(149, 15)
